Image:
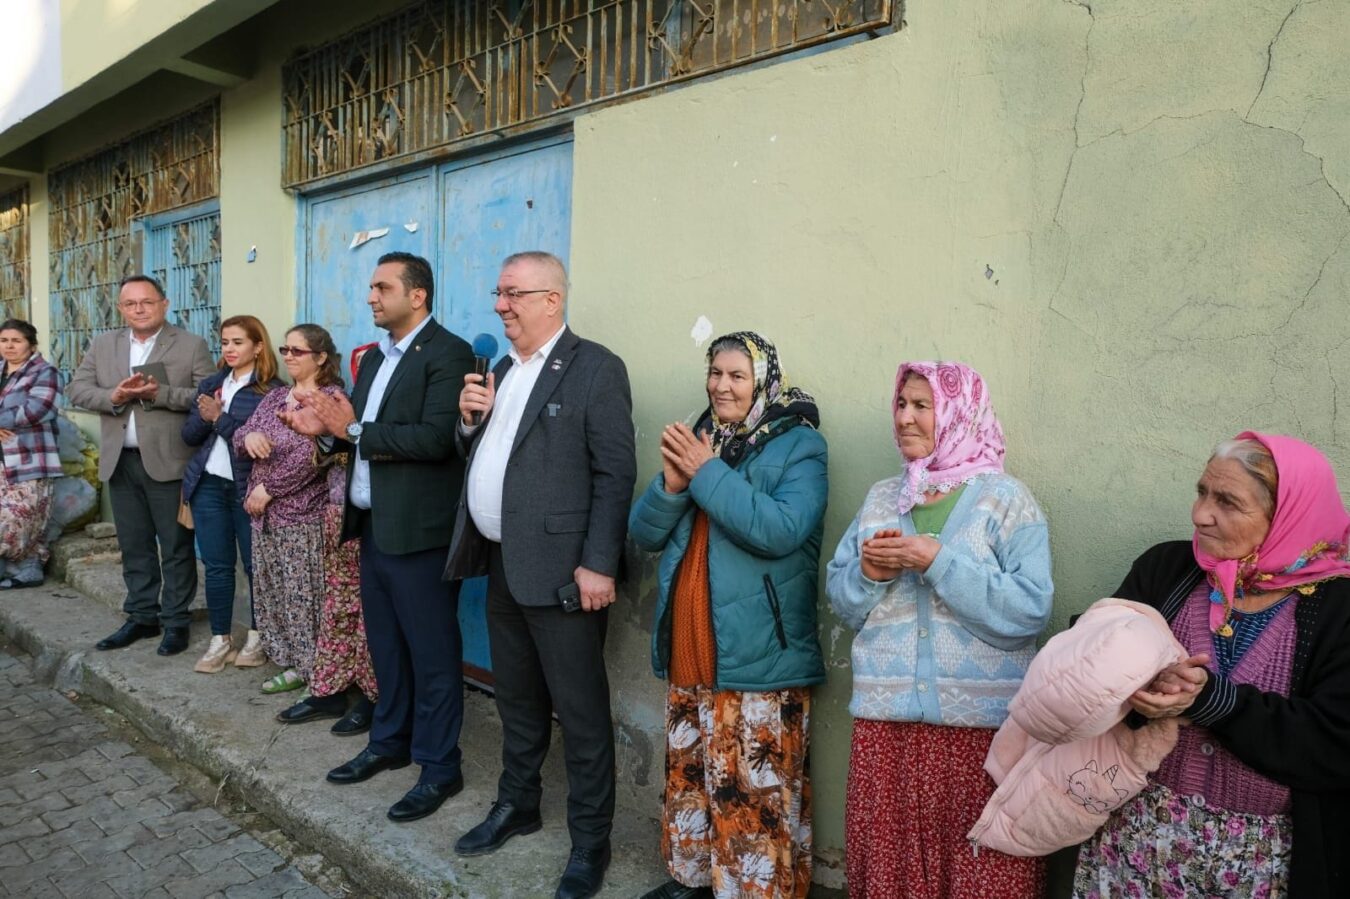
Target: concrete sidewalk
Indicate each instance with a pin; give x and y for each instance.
(222, 725)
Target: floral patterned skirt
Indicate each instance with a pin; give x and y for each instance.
(24, 508)
(914, 792)
(288, 587)
(341, 655)
(1161, 845)
(737, 814)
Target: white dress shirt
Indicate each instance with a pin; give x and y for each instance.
(488, 473)
(140, 351)
(393, 353)
(218, 463)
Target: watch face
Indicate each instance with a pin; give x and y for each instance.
(354, 429)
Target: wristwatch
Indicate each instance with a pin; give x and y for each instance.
(354, 432)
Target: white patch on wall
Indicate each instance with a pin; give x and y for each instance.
(702, 331)
(411, 227)
(363, 237)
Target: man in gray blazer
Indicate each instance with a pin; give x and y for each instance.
(142, 457)
(544, 514)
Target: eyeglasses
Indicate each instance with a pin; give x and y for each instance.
(294, 351)
(512, 294)
(137, 305)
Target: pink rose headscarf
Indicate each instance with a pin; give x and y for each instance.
(968, 440)
(1308, 536)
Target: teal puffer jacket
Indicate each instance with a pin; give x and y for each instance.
(765, 520)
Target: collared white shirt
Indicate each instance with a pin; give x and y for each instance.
(393, 353)
(140, 352)
(218, 463)
(488, 474)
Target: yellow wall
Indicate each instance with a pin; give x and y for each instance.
(97, 33)
(1141, 247)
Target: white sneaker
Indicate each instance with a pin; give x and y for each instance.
(218, 654)
(252, 655)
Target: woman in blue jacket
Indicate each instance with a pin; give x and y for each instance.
(216, 477)
(736, 513)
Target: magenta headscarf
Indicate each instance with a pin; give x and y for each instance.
(1308, 534)
(968, 439)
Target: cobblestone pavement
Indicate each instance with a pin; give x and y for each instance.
(83, 814)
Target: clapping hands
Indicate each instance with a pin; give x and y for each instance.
(682, 454)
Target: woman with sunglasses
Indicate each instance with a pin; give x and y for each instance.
(287, 492)
(216, 478)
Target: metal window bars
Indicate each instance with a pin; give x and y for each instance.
(14, 249)
(93, 205)
(449, 71)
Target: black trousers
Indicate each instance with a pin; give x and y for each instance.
(546, 660)
(159, 565)
(412, 628)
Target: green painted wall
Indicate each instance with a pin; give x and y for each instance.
(1132, 219)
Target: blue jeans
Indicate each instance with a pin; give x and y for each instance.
(221, 524)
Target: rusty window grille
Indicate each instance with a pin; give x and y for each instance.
(95, 202)
(14, 247)
(448, 71)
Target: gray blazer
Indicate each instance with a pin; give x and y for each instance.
(570, 479)
(159, 425)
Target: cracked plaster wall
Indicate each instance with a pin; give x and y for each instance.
(1131, 218)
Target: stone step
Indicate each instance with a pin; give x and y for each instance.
(222, 725)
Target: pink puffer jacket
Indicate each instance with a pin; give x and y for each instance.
(1063, 760)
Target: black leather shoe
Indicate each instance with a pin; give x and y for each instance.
(127, 634)
(584, 874)
(175, 641)
(503, 822)
(365, 766)
(315, 708)
(424, 799)
(675, 890)
(357, 720)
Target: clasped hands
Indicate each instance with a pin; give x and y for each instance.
(683, 453)
(136, 387)
(209, 407)
(1174, 690)
(889, 552)
(319, 414)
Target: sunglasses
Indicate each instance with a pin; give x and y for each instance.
(294, 351)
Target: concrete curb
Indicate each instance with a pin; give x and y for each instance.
(222, 725)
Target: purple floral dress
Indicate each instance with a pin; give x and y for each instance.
(288, 556)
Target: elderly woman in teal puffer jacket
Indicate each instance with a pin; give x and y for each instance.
(736, 514)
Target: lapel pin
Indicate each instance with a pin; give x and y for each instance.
(417, 347)
(557, 365)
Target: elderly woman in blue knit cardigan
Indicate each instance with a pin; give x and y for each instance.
(945, 574)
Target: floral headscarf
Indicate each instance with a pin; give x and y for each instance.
(967, 438)
(1307, 541)
(775, 407)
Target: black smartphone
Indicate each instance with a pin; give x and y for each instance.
(570, 597)
(154, 370)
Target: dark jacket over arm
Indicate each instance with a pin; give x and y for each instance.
(1302, 740)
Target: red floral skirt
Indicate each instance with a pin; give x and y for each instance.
(914, 792)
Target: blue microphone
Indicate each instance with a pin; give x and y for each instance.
(484, 349)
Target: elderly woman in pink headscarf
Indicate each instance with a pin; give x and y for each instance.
(1255, 799)
(945, 575)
